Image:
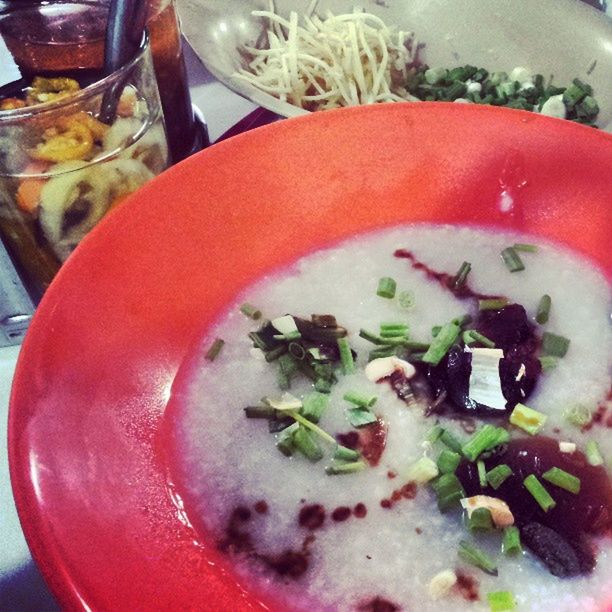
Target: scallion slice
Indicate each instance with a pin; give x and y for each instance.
(548, 363)
(554, 345)
(539, 493)
(492, 304)
(476, 557)
(501, 601)
(471, 336)
(386, 287)
(441, 344)
(382, 351)
(448, 490)
(406, 299)
(448, 461)
(360, 399)
(578, 415)
(485, 438)
(482, 473)
(449, 439)
(498, 475)
(512, 260)
(323, 385)
(543, 311)
(563, 479)
(422, 471)
(526, 248)
(248, 310)
(527, 419)
(359, 417)
(346, 454)
(434, 434)
(461, 277)
(593, 453)
(284, 442)
(338, 468)
(511, 542)
(312, 426)
(480, 520)
(213, 352)
(313, 406)
(259, 412)
(346, 356)
(305, 443)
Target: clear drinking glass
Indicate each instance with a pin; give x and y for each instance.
(62, 168)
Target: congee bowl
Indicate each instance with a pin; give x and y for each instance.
(90, 445)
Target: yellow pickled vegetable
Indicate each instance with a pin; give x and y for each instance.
(47, 90)
(72, 139)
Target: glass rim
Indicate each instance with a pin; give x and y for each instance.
(82, 94)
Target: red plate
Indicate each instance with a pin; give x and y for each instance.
(94, 374)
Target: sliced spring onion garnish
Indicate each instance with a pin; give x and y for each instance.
(501, 601)
(441, 344)
(213, 352)
(406, 299)
(511, 542)
(360, 399)
(284, 325)
(295, 335)
(312, 426)
(548, 363)
(275, 353)
(476, 557)
(449, 439)
(322, 385)
(422, 471)
(539, 493)
(346, 454)
(346, 356)
(480, 520)
(314, 404)
(359, 417)
(578, 415)
(395, 332)
(485, 438)
(498, 475)
(380, 352)
(461, 277)
(284, 442)
(563, 479)
(554, 345)
(259, 412)
(543, 311)
(337, 468)
(448, 490)
(285, 402)
(526, 248)
(593, 453)
(305, 442)
(512, 260)
(492, 304)
(435, 330)
(387, 326)
(434, 434)
(528, 419)
(448, 461)
(471, 336)
(248, 310)
(482, 473)
(386, 287)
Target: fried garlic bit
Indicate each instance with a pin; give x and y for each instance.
(72, 138)
(49, 89)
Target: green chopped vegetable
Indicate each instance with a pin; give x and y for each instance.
(382, 351)
(476, 557)
(284, 442)
(593, 453)
(447, 438)
(511, 542)
(480, 520)
(386, 287)
(461, 277)
(405, 299)
(527, 419)
(287, 368)
(471, 336)
(492, 304)
(423, 470)
(275, 353)
(346, 356)
(563, 479)
(512, 260)
(313, 406)
(312, 426)
(435, 330)
(548, 363)
(213, 352)
(248, 310)
(448, 490)
(543, 311)
(554, 345)
(501, 601)
(526, 248)
(359, 417)
(482, 473)
(578, 415)
(434, 434)
(485, 438)
(305, 442)
(360, 399)
(539, 493)
(441, 343)
(337, 468)
(346, 454)
(448, 461)
(259, 412)
(322, 385)
(498, 475)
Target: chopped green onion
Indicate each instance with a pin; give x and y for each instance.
(360, 399)
(213, 352)
(448, 461)
(310, 425)
(526, 248)
(358, 417)
(406, 299)
(314, 405)
(346, 454)
(501, 601)
(461, 277)
(386, 287)
(434, 433)
(396, 329)
(382, 351)
(548, 363)
(345, 468)
(480, 520)
(511, 542)
(346, 356)
(543, 311)
(498, 475)
(284, 442)
(593, 453)
(477, 558)
(578, 415)
(275, 353)
(485, 438)
(512, 260)
(492, 304)
(446, 437)
(471, 336)
(527, 419)
(563, 479)
(441, 344)
(482, 473)
(554, 345)
(448, 490)
(297, 350)
(287, 368)
(322, 385)
(416, 346)
(248, 310)
(259, 412)
(539, 493)
(395, 332)
(422, 471)
(306, 444)
(435, 330)
(294, 335)
(371, 337)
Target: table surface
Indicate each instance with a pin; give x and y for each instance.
(21, 585)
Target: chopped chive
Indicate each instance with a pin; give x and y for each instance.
(405, 299)
(563, 479)
(345, 468)
(383, 351)
(297, 350)
(310, 425)
(313, 406)
(434, 433)
(512, 260)
(322, 385)
(396, 332)
(371, 337)
(386, 287)
(259, 412)
(471, 336)
(501, 601)
(578, 415)
(485, 438)
(446, 437)
(476, 557)
(287, 368)
(526, 248)
(498, 475)
(480, 520)
(511, 542)
(358, 417)
(213, 352)
(360, 399)
(346, 356)
(448, 490)
(306, 444)
(543, 311)
(461, 277)
(448, 461)
(275, 353)
(416, 346)
(435, 330)
(294, 335)
(539, 493)
(248, 310)
(482, 473)
(346, 454)
(284, 442)
(492, 304)
(593, 453)
(554, 345)
(441, 344)
(548, 363)
(527, 419)
(259, 341)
